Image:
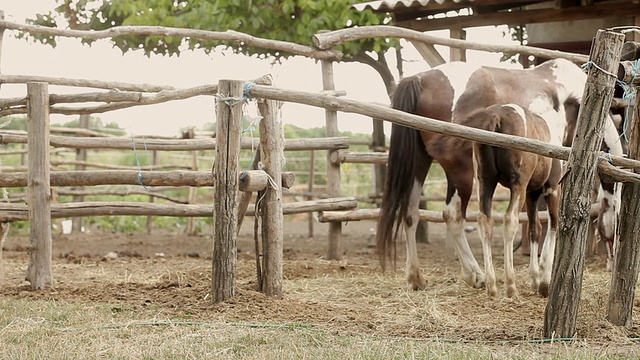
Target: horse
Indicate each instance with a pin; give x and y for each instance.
(607, 194)
(527, 176)
(453, 92)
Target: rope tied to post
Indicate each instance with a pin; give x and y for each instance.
(247, 90)
(588, 65)
(135, 153)
(605, 156)
(231, 101)
(629, 95)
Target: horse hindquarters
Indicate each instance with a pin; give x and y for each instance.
(407, 168)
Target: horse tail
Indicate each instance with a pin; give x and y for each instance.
(407, 156)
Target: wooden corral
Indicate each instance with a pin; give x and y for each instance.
(332, 105)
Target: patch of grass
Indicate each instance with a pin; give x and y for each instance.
(37, 329)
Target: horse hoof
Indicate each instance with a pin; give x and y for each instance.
(544, 290)
(416, 282)
(535, 285)
(474, 280)
(512, 291)
(492, 292)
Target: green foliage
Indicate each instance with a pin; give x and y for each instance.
(96, 124)
(14, 123)
(357, 179)
(286, 20)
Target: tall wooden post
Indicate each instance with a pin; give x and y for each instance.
(193, 197)
(566, 282)
(312, 174)
(39, 271)
(272, 149)
(154, 161)
(457, 54)
(3, 227)
(627, 259)
(1, 37)
(225, 209)
(333, 169)
(81, 155)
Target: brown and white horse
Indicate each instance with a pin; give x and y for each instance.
(527, 176)
(453, 92)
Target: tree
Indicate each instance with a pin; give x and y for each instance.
(286, 20)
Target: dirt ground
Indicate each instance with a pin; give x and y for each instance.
(169, 275)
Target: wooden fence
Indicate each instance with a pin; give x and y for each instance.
(41, 103)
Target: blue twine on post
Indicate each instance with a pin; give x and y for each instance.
(135, 153)
(605, 156)
(629, 95)
(247, 90)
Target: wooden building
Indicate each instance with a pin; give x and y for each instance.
(567, 25)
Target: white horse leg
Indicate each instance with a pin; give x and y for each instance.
(471, 272)
(534, 268)
(485, 228)
(548, 248)
(509, 230)
(608, 221)
(412, 269)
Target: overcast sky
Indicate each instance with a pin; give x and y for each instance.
(70, 59)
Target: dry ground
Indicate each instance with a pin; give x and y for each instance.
(168, 276)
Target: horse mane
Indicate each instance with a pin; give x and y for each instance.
(397, 190)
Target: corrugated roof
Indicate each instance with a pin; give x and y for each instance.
(391, 5)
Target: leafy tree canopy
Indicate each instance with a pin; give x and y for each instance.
(286, 20)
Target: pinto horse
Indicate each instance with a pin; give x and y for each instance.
(453, 92)
(527, 176)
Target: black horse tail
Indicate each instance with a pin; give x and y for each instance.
(407, 157)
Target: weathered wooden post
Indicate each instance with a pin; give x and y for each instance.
(624, 274)
(333, 169)
(566, 281)
(39, 271)
(193, 197)
(152, 199)
(3, 227)
(312, 174)
(81, 156)
(272, 153)
(225, 171)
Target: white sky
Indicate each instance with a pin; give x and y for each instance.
(70, 59)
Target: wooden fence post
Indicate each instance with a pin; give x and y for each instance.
(312, 174)
(3, 227)
(627, 257)
(81, 155)
(225, 210)
(39, 271)
(272, 149)
(333, 169)
(152, 199)
(566, 282)
(193, 196)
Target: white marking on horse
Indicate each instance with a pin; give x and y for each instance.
(556, 120)
(523, 116)
(571, 77)
(609, 217)
(458, 74)
(471, 272)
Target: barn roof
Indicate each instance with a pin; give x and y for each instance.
(425, 15)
